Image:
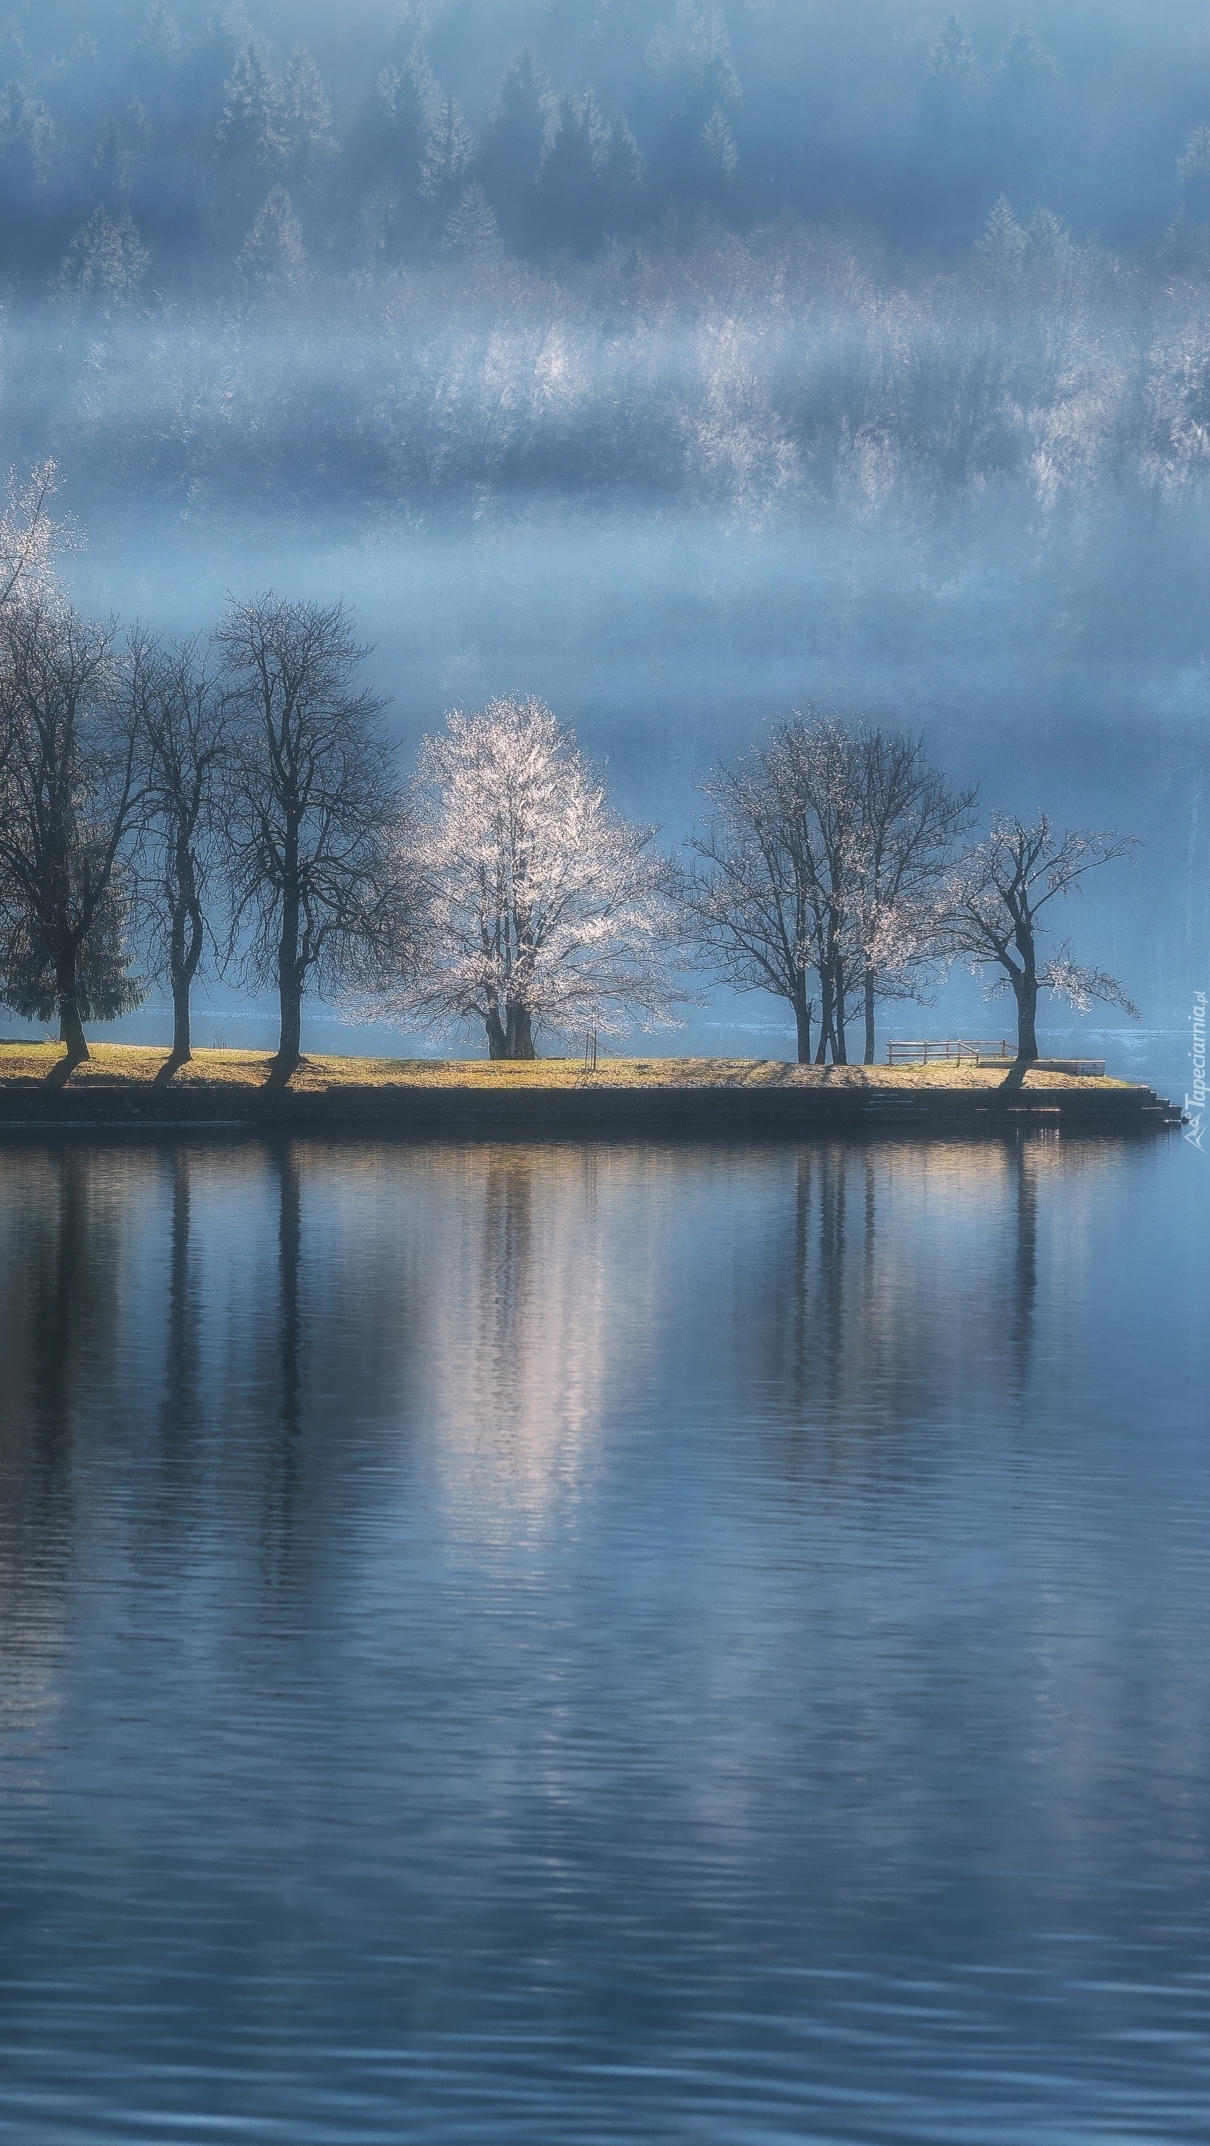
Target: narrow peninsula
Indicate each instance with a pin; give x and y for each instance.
(429, 1098)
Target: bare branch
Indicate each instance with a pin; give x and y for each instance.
(991, 912)
(316, 874)
(71, 796)
(820, 868)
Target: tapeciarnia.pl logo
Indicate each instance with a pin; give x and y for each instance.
(1195, 1104)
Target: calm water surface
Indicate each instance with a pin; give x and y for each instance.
(581, 1644)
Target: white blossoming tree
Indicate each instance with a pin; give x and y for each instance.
(546, 910)
(30, 535)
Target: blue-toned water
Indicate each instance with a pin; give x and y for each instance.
(584, 1644)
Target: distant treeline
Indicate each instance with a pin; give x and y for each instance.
(142, 145)
(641, 269)
(757, 371)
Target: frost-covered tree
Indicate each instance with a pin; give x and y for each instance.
(718, 142)
(694, 95)
(27, 136)
(404, 101)
(305, 119)
(449, 152)
(161, 33)
(471, 226)
(250, 124)
(30, 535)
(1024, 62)
(569, 183)
(992, 906)
(106, 259)
(1004, 245)
(121, 151)
(953, 57)
(1187, 241)
(381, 160)
(272, 257)
(520, 128)
(588, 176)
(546, 910)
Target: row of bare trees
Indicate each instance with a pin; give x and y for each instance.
(240, 797)
(834, 873)
(237, 802)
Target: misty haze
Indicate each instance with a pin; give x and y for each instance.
(604, 1492)
(679, 366)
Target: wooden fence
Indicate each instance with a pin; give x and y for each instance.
(952, 1052)
(955, 1052)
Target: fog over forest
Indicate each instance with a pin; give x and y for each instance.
(680, 364)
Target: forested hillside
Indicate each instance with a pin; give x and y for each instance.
(691, 251)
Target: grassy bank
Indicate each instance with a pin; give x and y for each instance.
(129, 1066)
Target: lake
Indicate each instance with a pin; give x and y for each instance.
(604, 1642)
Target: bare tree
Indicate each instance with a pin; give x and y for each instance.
(908, 820)
(546, 910)
(992, 907)
(815, 763)
(822, 862)
(756, 900)
(773, 897)
(70, 799)
(312, 805)
(184, 731)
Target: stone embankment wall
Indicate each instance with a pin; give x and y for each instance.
(533, 1113)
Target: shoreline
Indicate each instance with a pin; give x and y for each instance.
(557, 1099)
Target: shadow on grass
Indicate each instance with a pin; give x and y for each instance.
(282, 1071)
(62, 1070)
(1013, 1082)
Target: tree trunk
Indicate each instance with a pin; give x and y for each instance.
(289, 1049)
(1024, 981)
(182, 964)
(1025, 990)
(826, 1034)
(71, 1030)
(512, 1037)
(520, 1041)
(803, 1010)
(182, 1046)
(187, 936)
(289, 977)
(869, 1017)
(840, 1049)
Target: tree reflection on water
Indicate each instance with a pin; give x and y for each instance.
(497, 1307)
